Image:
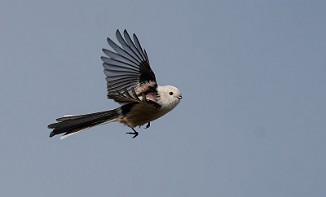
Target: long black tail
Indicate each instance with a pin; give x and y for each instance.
(70, 125)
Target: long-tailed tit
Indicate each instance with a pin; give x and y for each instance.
(130, 82)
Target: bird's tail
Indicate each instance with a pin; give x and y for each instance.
(72, 124)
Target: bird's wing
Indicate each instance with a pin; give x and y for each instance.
(127, 70)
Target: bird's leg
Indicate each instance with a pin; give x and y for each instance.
(135, 133)
(148, 125)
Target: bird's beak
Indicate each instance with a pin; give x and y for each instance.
(180, 97)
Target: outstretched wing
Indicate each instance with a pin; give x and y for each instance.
(127, 69)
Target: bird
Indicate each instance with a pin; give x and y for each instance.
(131, 82)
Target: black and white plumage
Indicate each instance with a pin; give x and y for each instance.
(131, 82)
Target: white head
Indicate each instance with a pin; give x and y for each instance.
(169, 96)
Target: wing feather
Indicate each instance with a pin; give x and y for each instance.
(120, 51)
(120, 58)
(138, 46)
(127, 69)
(128, 46)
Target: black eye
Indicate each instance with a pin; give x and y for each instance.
(170, 93)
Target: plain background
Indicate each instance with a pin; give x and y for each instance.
(252, 121)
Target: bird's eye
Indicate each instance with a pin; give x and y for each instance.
(170, 93)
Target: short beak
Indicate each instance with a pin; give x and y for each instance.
(180, 97)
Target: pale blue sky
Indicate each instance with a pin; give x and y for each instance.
(252, 121)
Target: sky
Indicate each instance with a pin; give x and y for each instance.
(251, 121)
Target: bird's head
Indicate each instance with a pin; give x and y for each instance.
(170, 96)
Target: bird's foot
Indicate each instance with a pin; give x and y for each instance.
(135, 133)
(148, 125)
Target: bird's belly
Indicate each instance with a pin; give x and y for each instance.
(141, 114)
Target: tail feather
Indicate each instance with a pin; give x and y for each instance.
(71, 124)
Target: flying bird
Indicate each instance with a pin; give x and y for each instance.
(130, 82)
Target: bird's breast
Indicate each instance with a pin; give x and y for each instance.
(140, 114)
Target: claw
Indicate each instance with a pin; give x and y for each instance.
(148, 125)
(135, 133)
